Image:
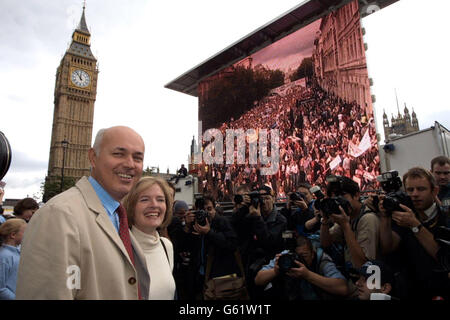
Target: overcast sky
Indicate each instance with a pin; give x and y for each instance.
(142, 45)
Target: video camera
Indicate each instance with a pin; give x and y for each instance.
(391, 184)
(5, 155)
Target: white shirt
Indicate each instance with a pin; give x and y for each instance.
(162, 283)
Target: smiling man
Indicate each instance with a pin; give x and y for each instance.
(79, 245)
(410, 233)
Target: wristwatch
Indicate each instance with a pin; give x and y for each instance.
(416, 229)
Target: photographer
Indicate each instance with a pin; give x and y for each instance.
(384, 291)
(305, 274)
(211, 236)
(259, 227)
(440, 167)
(410, 233)
(300, 209)
(356, 227)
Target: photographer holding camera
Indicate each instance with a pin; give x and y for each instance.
(410, 232)
(299, 209)
(213, 239)
(259, 226)
(440, 167)
(355, 227)
(303, 273)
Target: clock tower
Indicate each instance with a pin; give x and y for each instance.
(75, 92)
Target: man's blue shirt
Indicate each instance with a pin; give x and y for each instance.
(108, 202)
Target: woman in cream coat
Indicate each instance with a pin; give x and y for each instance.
(149, 206)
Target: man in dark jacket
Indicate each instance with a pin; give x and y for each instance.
(209, 236)
(259, 226)
(440, 167)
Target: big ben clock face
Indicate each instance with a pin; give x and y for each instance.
(80, 78)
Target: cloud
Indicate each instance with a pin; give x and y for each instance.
(23, 162)
(290, 50)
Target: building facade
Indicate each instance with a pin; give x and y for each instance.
(74, 98)
(339, 56)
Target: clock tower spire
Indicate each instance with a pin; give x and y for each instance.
(74, 98)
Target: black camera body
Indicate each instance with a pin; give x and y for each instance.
(287, 261)
(255, 198)
(391, 184)
(330, 206)
(390, 181)
(334, 185)
(317, 192)
(200, 217)
(393, 200)
(238, 198)
(199, 202)
(297, 196)
(5, 155)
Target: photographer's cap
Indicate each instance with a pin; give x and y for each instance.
(267, 189)
(179, 205)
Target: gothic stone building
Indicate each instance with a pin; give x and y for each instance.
(75, 93)
(402, 124)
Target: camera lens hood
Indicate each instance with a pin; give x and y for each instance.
(5, 155)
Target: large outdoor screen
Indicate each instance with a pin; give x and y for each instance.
(304, 107)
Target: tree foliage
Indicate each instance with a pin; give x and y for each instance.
(52, 186)
(234, 93)
(305, 70)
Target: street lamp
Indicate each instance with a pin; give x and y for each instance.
(64, 144)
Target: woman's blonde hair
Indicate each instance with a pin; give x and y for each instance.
(10, 226)
(144, 183)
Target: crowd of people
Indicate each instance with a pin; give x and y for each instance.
(323, 244)
(118, 235)
(317, 132)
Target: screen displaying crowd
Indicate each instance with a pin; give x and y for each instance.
(325, 122)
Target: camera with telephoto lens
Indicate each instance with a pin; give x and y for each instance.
(5, 155)
(391, 184)
(329, 206)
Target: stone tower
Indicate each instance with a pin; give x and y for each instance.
(75, 93)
